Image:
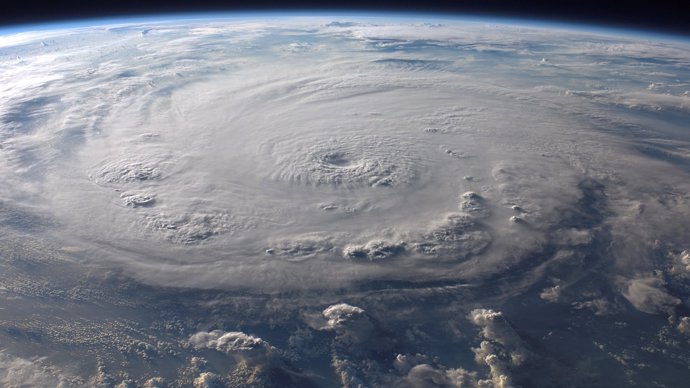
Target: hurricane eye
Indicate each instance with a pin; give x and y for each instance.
(338, 159)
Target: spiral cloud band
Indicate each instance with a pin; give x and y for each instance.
(402, 198)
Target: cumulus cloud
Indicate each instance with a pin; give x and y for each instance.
(684, 325)
(374, 250)
(418, 370)
(138, 199)
(208, 380)
(501, 349)
(426, 376)
(227, 342)
(341, 314)
(357, 345)
(155, 382)
(496, 329)
(350, 322)
(256, 363)
(681, 263)
(474, 204)
(457, 236)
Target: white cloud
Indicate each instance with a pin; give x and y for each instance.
(418, 371)
(351, 323)
(599, 306)
(190, 156)
(684, 325)
(242, 152)
(426, 376)
(648, 295)
(155, 382)
(208, 380)
(551, 294)
(226, 342)
(16, 372)
(501, 349)
(341, 314)
(374, 250)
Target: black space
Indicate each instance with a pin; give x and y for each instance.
(663, 16)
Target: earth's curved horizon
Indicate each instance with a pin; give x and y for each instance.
(343, 200)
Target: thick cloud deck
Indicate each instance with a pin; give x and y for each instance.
(380, 202)
(398, 161)
(350, 161)
(126, 171)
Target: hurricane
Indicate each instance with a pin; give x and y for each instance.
(286, 201)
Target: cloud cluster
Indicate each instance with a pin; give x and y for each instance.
(648, 295)
(501, 349)
(355, 160)
(350, 323)
(19, 372)
(417, 170)
(243, 162)
(126, 171)
(255, 362)
(374, 250)
(418, 371)
(226, 342)
(457, 236)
